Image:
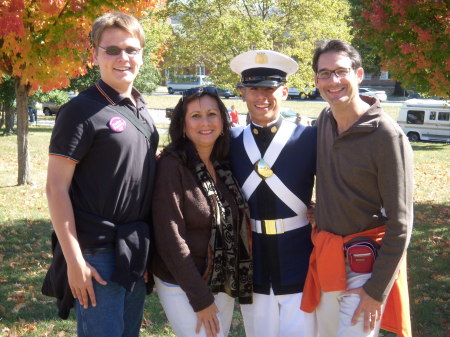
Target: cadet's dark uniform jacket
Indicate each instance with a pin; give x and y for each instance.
(280, 260)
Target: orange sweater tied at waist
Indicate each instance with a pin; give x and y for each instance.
(327, 273)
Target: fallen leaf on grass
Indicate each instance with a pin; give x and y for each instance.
(445, 211)
(147, 322)
(17, 307)
(30, 327)
(19, 297)
(235, 323)
(419, 215)
(436, 276)
(49, 331)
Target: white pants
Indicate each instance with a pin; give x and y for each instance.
(182, 317)
(277, 316)
(335, 311)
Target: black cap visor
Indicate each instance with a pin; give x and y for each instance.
(262, 84)
(263, 78)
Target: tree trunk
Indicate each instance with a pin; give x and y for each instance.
(2, 115)
(23, 159)
(9, 114)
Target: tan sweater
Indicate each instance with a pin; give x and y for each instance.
(182, 229)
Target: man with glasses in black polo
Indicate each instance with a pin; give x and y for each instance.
(99, 187)
(274, 161)
(364, 210)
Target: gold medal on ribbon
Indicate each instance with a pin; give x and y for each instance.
(263, 170)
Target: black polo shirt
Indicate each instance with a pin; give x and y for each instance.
(115, 162)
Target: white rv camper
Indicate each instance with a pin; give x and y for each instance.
(425, 119)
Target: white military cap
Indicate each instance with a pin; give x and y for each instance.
(263, 68)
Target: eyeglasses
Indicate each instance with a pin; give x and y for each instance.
(199, 91)
(340, 72)
(114, 50)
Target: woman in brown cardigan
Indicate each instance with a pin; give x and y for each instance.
(201, 223)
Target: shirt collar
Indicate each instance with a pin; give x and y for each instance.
(270, 129)
(114, 98)
(276, 122)
(367, 122)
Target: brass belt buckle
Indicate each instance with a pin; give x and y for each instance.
(270, 227)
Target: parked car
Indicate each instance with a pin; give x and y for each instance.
(295, 117)
(227, 93)
(303, 93)
(380, 94)
(51, 108)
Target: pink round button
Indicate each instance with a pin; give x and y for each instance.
(117, 124)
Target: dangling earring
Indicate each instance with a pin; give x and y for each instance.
(184, 134)
(222, 133)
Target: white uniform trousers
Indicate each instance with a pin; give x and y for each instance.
(182, 317)
(335, 311)
(277, 316)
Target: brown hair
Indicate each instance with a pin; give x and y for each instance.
(336, 46)
(116, 20)
(182, 145)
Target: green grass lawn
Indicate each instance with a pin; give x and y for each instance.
(25, 246)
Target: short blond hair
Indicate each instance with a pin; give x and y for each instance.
(116, 20)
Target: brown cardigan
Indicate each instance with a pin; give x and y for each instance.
(182, 229)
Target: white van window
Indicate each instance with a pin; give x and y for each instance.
(432, 115)
(444, 116)
(415, 117)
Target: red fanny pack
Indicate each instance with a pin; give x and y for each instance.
(361, 256)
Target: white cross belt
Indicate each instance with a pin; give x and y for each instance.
(275, 184)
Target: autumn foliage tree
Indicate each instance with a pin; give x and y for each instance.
(412, 39)
(43, 44)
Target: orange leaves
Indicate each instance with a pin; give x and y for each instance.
(11, 13)
(21, 298)
(407, 48)
(21, 329)
(52, 7)
(45, 42)
(411, 38)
